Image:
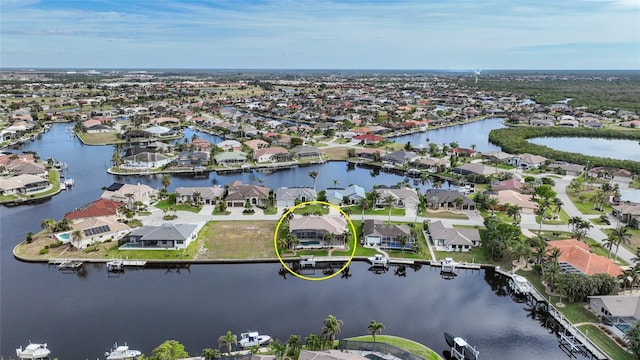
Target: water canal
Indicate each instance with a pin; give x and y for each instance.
(81, 315)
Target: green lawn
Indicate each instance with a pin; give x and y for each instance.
(402, 343)
(605, 343)
(357, 210)
(186, 254)
(443, 214)
(562, 219)
(169, 202)
(312, 209)
(585, 205)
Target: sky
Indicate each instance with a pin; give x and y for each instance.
(456, 35)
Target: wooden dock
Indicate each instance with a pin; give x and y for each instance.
(570, 338)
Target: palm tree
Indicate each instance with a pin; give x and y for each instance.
(458, 202)
(129, 197)
(557, 206)
(375, 328)
(314, 175)
(364, 205)
(622, 235)
(492, 204)
(554, 256)
(335, 182)
(48, 224)
(76, 235)
(389, 200)
(514, 211)
(279, 349)
(227, 340)
(609, 242)
(331, 328)
(166, 180)
(196, 197)
(375, 197)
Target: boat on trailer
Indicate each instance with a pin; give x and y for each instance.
(33, 352)
(122, 352)
(460, 349)
(253, 338)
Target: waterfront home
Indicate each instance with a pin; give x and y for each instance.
(475, 169)
(352, 194)
(97, 209)
(230, 158)
(439, 199)
(619, 310)
(289, 196)
(402, 197)
(497, 157)
(256, 144)
(130, 193)
(318, 231)
(191, 158)
(160, 131)
(368, 153)
(305, 152)
(229, 145)
(621, 176)
(447, 238)
(165, 120)
(271, 154)
(146, 160)
(400, 157)
(432, 165)
(201, 145)
(23, 184)
(527, 161)
(94, 230)
(576, 257)
(457, 151)
(208, 195)
(27, 167)
(628, 213)
(166, 236)
(512, 197)
(239, 194)
(388, 236)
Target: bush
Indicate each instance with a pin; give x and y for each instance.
(44, 250)
(248, 211)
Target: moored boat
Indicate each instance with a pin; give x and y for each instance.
(449, 266)
(379, 260)
(121, 352)
(253, 338)
(33, 352)
(519, 284)
(460, 349)
(115, 265)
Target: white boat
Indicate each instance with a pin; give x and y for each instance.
(307, 261)
(68, 182)
(449, 265)
(379, 260)
(519, 284)
(115, 265)
(460, 349)
(33, 351)
(121, 352)
(253, 338)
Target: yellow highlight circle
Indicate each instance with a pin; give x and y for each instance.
(353, 233)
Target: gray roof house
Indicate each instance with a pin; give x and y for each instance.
(447, 238)
(475, 168)
(352, 193)
(388, 236)
(288, 196)
(239, 194)
(228, 158)
(400, 157)
(445, 199)
(318, 231)
(166, 236)
(403, 198)
(302, 152)
(616, 309)
(208, 194)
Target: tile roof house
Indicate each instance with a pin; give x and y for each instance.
(445, 199)
(97, 229)
(575, 257)
(97, 208)
(567, 168)
(509, 184)
(256, 144)
(289, 196)
(403, 198)
(239, 194)
(230, 145)
(447, 238)
(628, 213)
(367, 139)
(167, 236)
(271, 154)
(141, 192)
(23, 184)
(388, 236)
(512, 197)
(209, 195)
(319, 231)
(527, 161)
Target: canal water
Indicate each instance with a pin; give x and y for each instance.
(611, 148)
(80, 315)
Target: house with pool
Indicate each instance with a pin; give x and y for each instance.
(319, 231)
(161, 237)
(93, 230)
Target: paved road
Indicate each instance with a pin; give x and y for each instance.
(527, 220)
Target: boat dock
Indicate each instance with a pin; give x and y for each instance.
(62, 262)
(571, 339)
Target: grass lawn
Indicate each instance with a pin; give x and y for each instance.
(336, 153)
(165, 204)
(357, 210)
(99, 138)
(584, 203)
(402, 343)
(187, 254)
(443, 214)
(249, 239)
(562, 219)
(605, 343)
(312, 209)
(634, 241)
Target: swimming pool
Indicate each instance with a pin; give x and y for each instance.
(623, 327)
(311, 242)
(64, 237)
